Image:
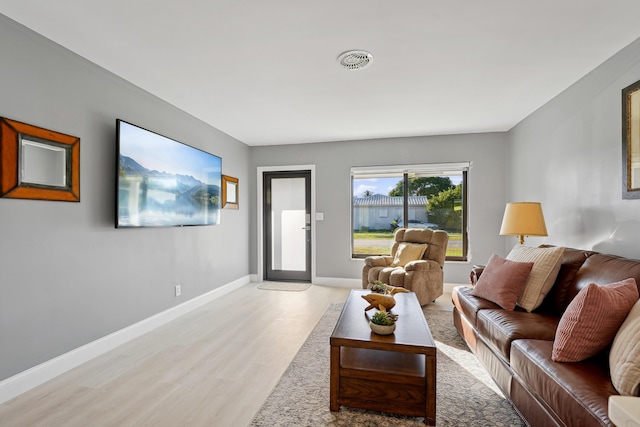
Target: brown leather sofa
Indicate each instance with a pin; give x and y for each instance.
(515, 346)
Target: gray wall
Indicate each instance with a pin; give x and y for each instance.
(567, 155)
(333, 161)
(67, 276)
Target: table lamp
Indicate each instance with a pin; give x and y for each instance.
(523, 219)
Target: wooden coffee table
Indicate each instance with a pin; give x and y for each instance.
(394, 373)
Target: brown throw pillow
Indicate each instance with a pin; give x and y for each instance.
(502, 281)
(592, 320)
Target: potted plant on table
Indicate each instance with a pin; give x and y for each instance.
(383, 322)
(378, 287)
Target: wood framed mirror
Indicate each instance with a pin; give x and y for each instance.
(230, 192)
(38, 163)
(631, 141)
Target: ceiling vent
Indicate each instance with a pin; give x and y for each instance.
(355, 59)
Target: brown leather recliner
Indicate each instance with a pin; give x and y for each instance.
(423, 276)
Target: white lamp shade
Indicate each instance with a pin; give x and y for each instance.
(523, 219)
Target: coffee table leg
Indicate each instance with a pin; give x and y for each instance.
(334, 404)
(430, 385)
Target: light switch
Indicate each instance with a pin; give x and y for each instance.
(319, 216)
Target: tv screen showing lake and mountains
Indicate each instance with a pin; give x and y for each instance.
(164, 183)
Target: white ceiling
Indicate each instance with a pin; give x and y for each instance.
(265, 72)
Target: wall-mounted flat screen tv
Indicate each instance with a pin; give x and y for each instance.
(164, 183)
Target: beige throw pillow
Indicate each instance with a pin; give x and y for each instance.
(546, 265)
(624, 358)
(408, 252)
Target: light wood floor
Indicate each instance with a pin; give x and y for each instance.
(212, 367)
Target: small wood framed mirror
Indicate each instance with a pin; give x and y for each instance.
(230, 192)
(38, 163)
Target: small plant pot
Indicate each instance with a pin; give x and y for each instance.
(382, 329)
(378, 288)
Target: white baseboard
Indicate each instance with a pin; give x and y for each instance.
(338, 282)
(39, 374)
(357, 283)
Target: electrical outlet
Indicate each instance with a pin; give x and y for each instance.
(178, 290)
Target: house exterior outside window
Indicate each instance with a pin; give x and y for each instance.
(364, 209)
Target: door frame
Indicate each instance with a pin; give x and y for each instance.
(260, 214)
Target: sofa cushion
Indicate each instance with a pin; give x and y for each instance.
(599, 268)
(416, 235)
(499, 328)
(556, 300)
(546, 264)
(468, 304)
(592, 319)
(624, 358)
(393, 276)
(502, 281)
(575, 392)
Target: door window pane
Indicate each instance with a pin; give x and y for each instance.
(288, 224)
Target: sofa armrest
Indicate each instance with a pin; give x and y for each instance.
(378, 261)
(476, 271)
(422, 265)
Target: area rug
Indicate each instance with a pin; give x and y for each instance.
(284, 286)
(466, 395)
